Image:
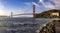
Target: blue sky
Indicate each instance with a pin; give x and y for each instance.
(25, 6)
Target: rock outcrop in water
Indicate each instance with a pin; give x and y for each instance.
(49, 28)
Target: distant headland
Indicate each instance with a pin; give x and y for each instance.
(54, 13)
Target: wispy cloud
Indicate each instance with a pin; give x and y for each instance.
(26, 9)
(35, 4)
(49, 4)
(41, 0)
(2, 11)
(21, 11)
(57, 3)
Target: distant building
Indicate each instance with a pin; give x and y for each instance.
(54, 14)
(49, 14)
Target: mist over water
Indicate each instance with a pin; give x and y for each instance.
(21, 25)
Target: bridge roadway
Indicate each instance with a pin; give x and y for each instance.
(23, 14)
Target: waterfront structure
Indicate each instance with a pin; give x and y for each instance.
(49, 14)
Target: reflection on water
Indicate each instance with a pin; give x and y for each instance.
(21, 25)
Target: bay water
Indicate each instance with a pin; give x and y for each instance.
(22, 25)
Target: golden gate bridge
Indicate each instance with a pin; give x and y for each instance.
(33, 13)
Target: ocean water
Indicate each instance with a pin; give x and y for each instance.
(21, 25)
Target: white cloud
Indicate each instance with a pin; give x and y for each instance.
(35, 4)
(20, 11)
(57, 2)
(41, 0)
(48, 4)
(2, 11)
